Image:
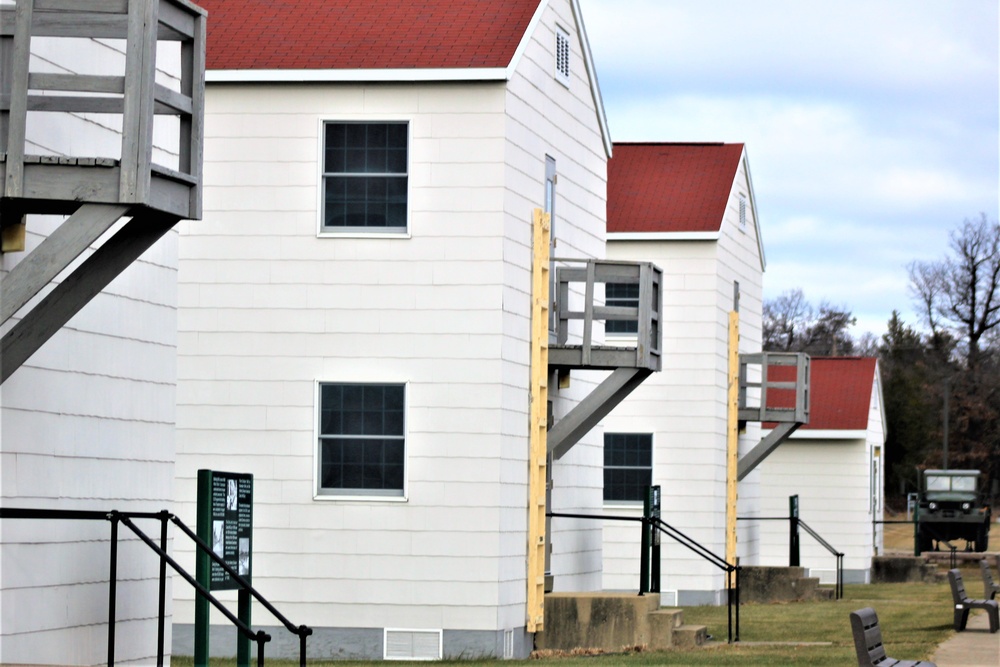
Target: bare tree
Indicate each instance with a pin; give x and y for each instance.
(961, 292)
(785, 320)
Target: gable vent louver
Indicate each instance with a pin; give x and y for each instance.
(562, 55)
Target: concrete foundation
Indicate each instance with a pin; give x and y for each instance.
(349, 643)
(777, 584)
(613, 622)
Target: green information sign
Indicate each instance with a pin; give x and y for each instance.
(225, 523)
(232, 527)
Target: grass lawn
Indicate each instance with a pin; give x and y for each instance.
(914, 617)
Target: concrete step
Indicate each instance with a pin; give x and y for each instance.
(662, 625)
(690, 636)
(825, 593)
(777, 584)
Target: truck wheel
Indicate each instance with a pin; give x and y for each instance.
(982, 539)
(924, 540)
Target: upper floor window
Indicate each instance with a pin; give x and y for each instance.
(743, 211)
(362, 442)
(623, 295)
(365, 177)
(628, 466)
(562, 55)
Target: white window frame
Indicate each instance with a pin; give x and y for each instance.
(357, 233)
(652, 468)
(354, 494)
(743, 211)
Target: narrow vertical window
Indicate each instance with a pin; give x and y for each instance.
(628, 466)
(562, 56)
(743, 211)
(550, 208)
(365, 177)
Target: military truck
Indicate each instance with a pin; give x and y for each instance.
(951, 508)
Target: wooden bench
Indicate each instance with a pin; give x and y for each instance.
(990, 587)
(964, 604)
(868, 642)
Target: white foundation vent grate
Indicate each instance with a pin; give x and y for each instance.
(412, 645)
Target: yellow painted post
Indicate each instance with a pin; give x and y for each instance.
(732, 435)
(538, 420)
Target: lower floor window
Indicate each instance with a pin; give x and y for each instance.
(362, 443)
(628, 466)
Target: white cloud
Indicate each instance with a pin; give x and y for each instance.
(871, 125)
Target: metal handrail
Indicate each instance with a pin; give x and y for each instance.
(260, 636)
(301, 630)
(840, 557)
(732, 571)
(839, 586)
(116, 517)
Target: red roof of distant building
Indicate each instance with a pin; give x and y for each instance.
(840, 392)
(361, 34)
(663, 187)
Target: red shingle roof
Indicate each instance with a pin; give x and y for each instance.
(364, 34)
(840, 394)
(662, 187)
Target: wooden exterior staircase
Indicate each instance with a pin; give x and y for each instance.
(95, 191)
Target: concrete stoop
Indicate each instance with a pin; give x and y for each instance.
(902, 569)
(614, 622)
(766, 584)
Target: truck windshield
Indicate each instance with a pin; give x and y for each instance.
(963, 484)
(938, 484)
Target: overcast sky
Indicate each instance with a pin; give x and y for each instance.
(871, 125)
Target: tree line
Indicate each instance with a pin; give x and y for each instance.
(940, 375)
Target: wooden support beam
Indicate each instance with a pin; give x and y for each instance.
(593, 408)
(82, 285)
(54, 254)
(768, 444)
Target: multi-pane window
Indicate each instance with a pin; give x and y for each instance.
(743, 211)
(622, 295)
(361, 439)
(365, 177)
(628, 466)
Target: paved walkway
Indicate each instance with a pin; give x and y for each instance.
(976, 646)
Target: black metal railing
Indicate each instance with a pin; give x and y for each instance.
(116, 517)
(839, 555)
(794, 524)
(732, 571)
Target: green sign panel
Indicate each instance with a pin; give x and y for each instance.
(225, 523)
(232, 526)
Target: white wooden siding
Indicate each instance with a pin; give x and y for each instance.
(546, 118)
(833, 480)
(268, 309)
(87, 423)
(684, 405)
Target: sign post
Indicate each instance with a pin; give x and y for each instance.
(793, 531)
(653, 512)
(225, 523)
